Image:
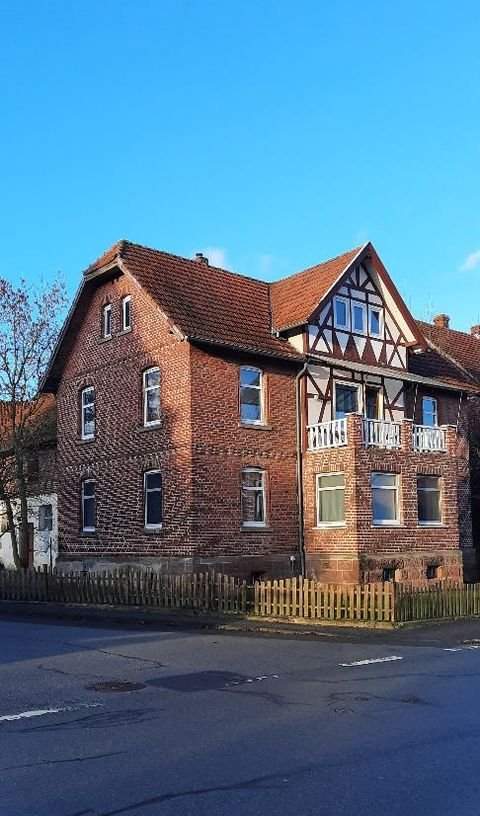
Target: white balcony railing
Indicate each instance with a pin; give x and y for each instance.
(381, 434)
(426, 438)
(327, 434)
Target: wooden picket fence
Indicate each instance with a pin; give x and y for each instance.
(291, 598)
(133, 587)
(303, 598)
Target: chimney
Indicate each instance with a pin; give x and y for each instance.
(441, 321)
(201, 258)
(475, 330)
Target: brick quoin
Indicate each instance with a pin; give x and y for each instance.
(201, 447)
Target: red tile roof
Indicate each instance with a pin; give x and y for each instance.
(203, 301)
(295, 298)
(460, 347)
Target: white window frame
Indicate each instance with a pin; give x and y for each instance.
(89, 498)
(396, 487)
(434, 413)
(357, 304)
(107, 321)
(372, 307)
(263, 488)
(439, 490)
(89, 388)
(125, 300)
(338, 299)
(146, 491)
(324, 489)
(352, 384)
(259, 388)
(145, 390)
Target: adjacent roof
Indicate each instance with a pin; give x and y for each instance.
(461, 348)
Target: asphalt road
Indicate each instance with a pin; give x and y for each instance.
(237, 723)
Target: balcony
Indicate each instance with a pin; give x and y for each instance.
(426, 438)
(376, 433)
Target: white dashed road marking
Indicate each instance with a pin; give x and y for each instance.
(40, 712)
(374, 660)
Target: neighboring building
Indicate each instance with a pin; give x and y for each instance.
(209, 419)
(42, 497)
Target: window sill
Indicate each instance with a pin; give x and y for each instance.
(255, 426)
(262, 528)
(105, 339)
(88, 533)
(153, 427)
(85, 441)
(427, 524)
(124, 331)
(387, 525)
(153, 530)
(341, 526)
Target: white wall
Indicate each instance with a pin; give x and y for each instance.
(42, 540)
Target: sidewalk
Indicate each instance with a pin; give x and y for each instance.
(434, 633)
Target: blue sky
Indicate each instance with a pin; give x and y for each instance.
(271, 134)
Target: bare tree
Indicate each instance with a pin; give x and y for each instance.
(30, 320)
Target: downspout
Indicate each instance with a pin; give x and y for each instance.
(301, 540)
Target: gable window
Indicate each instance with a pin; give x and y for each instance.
(359, 317)
(429, 411)
(107, 321)
(429, 500)
(151, 396)
(251, 395)
(152, 499)
(45, 517)
(385, 509)
(253, 498)
(346, 399)
(375, 321)
(88, 413)
(127, 313)
(88, 506)
(340, 308)
(330, 499)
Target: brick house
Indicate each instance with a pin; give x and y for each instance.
(210, 419)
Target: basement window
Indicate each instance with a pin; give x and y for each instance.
(431, 572)
(388, 575)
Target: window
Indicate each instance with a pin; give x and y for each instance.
(375, 321)
(253, 498)
(45, 517)
(431, 572)
(88, 506)
(340, 306)
(429, 411)
(358, 317)
(388, 574)
(151, 396)
(372, 402)
(385, 498)
(107, 321)
(251, 395)
(127, 313)
(88, 413)
(346, 399)
(153, 499)
(429, 500)
(330, 499)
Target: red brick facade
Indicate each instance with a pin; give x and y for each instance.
(201, 447)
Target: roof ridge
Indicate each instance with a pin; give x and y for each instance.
(354, 250)
(447, 329)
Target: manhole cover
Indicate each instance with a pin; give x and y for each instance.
(116, 685)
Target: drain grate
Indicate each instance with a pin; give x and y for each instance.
(116, 685)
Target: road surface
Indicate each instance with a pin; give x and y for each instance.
(235, 723)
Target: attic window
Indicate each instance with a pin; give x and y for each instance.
(340, 306)
(107, 321)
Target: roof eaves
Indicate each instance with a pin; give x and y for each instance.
(262, 352)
